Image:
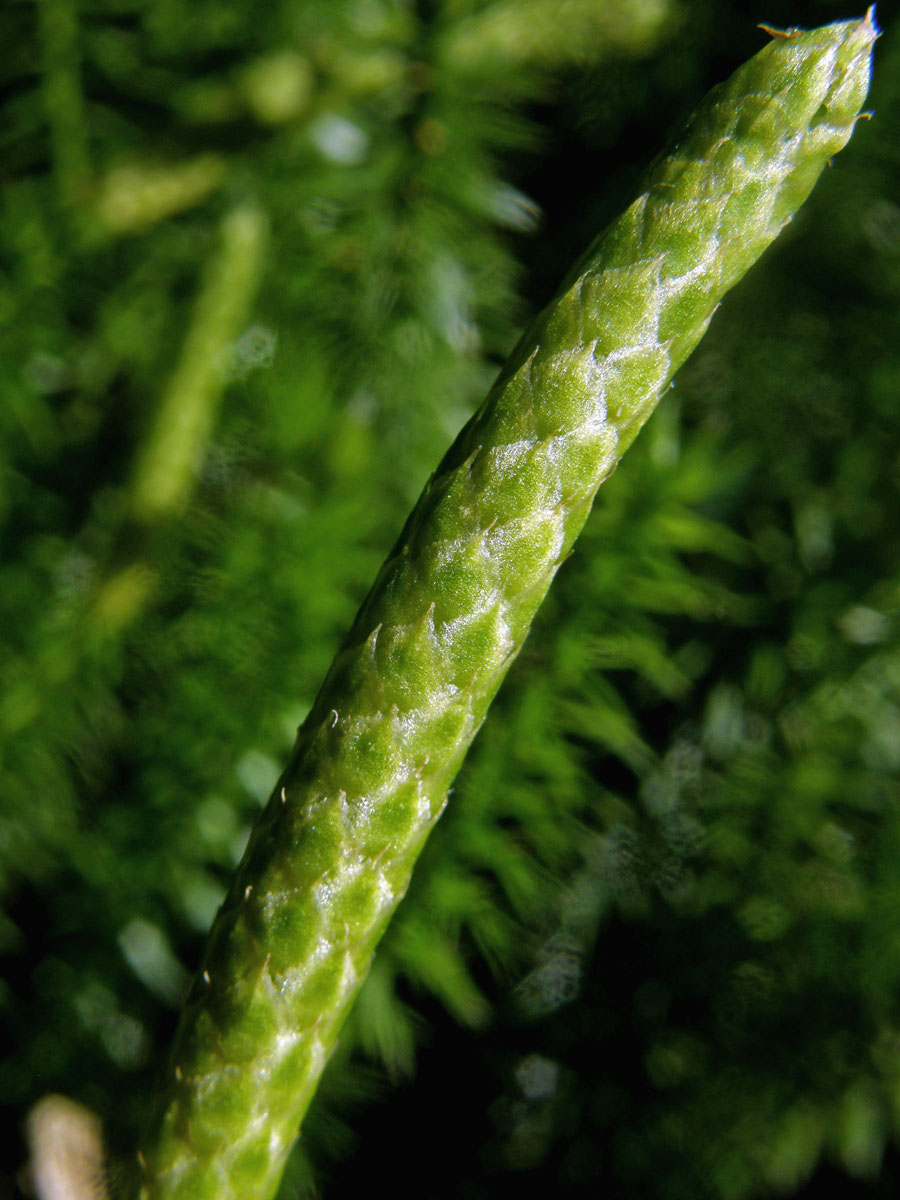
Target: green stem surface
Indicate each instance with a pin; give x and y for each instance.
(331, 855)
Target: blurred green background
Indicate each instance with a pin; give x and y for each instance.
(258, 262)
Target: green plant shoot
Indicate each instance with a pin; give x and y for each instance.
(332, 853)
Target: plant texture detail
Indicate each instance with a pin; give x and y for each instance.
(332, 853)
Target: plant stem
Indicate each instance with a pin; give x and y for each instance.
(64, 99)
(167, 469)
(332, 853)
